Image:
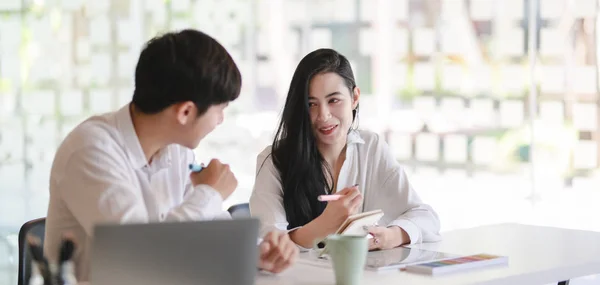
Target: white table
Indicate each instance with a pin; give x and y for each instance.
(537, 255)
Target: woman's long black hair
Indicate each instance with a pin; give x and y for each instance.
(303, 173)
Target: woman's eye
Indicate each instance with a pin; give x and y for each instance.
(334, 100)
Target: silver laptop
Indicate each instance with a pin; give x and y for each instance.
(210, 252)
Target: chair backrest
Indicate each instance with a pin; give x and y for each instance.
(36, 228)
(240, 211)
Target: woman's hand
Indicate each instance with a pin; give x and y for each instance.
(339, 210)
(387, 237)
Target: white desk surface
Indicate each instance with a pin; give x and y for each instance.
(537, 255)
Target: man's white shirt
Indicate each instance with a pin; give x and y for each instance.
(101, 175)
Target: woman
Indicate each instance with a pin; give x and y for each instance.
(317, 151)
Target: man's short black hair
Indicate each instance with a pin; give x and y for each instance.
(184, 66)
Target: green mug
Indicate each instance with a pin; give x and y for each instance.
(348, 255)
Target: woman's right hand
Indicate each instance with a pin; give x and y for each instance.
(339, 210)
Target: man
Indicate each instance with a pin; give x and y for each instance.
(131, 166)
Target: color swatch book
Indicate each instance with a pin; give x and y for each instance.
(458, 264)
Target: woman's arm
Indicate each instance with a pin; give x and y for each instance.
(401, 204)
(266, 201)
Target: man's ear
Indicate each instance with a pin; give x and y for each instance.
(355, 97)
(185, 112)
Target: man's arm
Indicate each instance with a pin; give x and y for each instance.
(96, 189)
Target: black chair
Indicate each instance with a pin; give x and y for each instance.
(239, 211)
(36, 228)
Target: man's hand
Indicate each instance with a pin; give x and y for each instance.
(386, 238)
(218, 176)
(277, 252)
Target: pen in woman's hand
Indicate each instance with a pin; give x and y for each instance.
(333, 197)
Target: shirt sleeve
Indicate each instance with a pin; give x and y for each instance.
(203, 202)
(266, 201)
(401, 203)
(97, 189)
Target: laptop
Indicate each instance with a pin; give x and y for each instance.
(208, 252)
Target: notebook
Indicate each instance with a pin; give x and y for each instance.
(458, 264)
(355, 224)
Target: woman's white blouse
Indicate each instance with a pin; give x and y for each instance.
(382, 181)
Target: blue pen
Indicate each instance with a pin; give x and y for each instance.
(196, 167)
